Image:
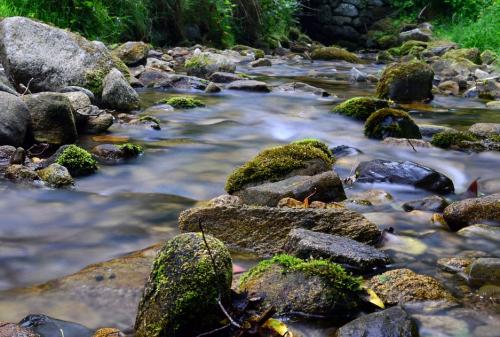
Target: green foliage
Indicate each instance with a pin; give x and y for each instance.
(315, 143)
(273, 164)
(77, 160)
(459, 8)
(131, 150)
(183, 102)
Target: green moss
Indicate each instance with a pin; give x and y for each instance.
(198, 61)
(95, 79)
(131, 150)
(360, 107)
(315, 143)
(494, 138)
(408, 46)
(275, 163)
(387, 41)
(391, 123)
(148, 118)
(77, 160)
(395, 51)
(334, 53)
(447, 139)
(182, 102)
(259, 54)
(471, 54)
(334, 275)
(121, 66)
(416, 70)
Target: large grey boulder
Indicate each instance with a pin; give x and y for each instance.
(249, 85)
(14, 120)
(132, 53)
(52, 118)
(324, 187)
(392, 322)
(473, 211)
(264, 230)
(485, 129)
(117, 93)
(49, 58)
(306, 244)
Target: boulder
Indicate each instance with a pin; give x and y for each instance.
(14, 330)
(18, 157)
(49, 58)
(484, 271)
(112, 153)
(434, 203)
(354, 255)
(293, 285)
(485, 129)
(52, 118)
(132, 53)
(357, 75)
(159, 64)
(324, 187)
(212, 88)
(481, 232)
(117, 93)
(78, 161)
(449, 87)
(334, 53)
(416, 34)
(263, 230)
(408, 143)
(98, 124)
(472, 211)
(429, 130)
(401, 286)
(47, 326)
(392, 322)
(14, 120)
(249, 85)
(221, 77)
(261, 63)
(181, 294)
(360, 107)
(406, 82)
(406, 173)
(56, 175)
(21, 174)
(204, 64)
(392, 123)
(297, 88)
(154, 78)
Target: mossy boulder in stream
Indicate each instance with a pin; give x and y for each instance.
(78, 161)
(452, 139)
(360, 107)
(180, 297)
(279, 163)
(292, 285)
(334, 53)
(406, 82)
(183, 102)
(391, 123)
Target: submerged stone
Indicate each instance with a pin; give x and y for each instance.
(473, 211)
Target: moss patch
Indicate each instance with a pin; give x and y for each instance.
(315, 143)
(391, 123)
(77, 160)
(130, 150)
(334, 53)
(274, 164)
(471, 54)
(447, 139)
(360, 107)
(182, 102)
(408, 46)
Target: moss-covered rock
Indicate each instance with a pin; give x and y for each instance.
(360, 107)
(384, 56)
(180, 297)
(488, 57)
(205, 64)
(472, 211)
(387, 41)
(278, 163)
(406, 82)
(334, 53)
(452, 139)
(408, 46)
(183, 102)
(471, 54)
(56, 175)
(403, 285)
(78, 161)
(391, 123)
(131, 53)
(130, 150)
(313, 286)
(315, 143)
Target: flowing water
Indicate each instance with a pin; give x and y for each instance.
(45, 234)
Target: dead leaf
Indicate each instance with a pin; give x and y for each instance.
(373, 297)
(274, 328)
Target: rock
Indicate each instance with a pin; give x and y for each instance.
(108, 332)
(154, 78)
(293, 285)
(472, 211)
(21, 174)
(47, 326)
(221, 77)
(325, 187)
(345, 151)
(360, 107)
(392, 322)
(440, 325)
(115, 153)
(301, 88)
(493, 105)
(204, 64)
(281, 162)
(132, 53)
(372, 197)
(481, 232)
(225, 200)
(471, 54)
(429, 130)
(98, 124)
(334, 53)
(346, 9)
(249, 85)
(455, 264)
(416, 34)
(14, 330)
(481, 75)
(406, 173)
(14, 120)
(433, 203)
(449, 87)
(6, 153)
(406, 82)
(261, 63)
(183, 287)
(263, 229)
(5, 84)
(212, 88)
(357, 75)
(401, 286)
(78, 100)
(488, 57)
(484, 271)
(159, 64)
(52, 118)
(117, 93)
(485, 129)
(408, 143)
(384, 56)
(56, 175)
(391, 123)
(51, 58)
(18, 157)
(307, 244)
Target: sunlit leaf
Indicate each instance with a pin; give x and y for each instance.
(274, 328)
(373, 298)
